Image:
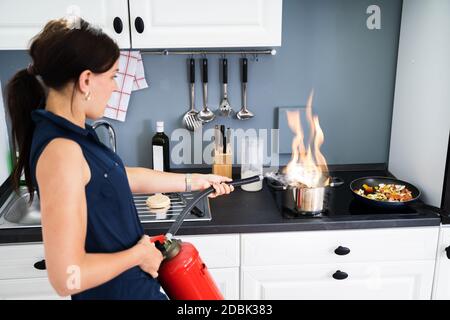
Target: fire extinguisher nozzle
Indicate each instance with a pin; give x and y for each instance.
(169, 236)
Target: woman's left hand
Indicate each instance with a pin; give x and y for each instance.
(203, 181)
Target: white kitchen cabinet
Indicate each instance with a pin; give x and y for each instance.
(392, 263)
(306, 247)
(383, 280)
(227, 279)
(205, 23)
(18, 260)
(19, 278)
(216, 251)
(220, 253)
(441, 288)
(20, 20)
(154, 23)
(28, 289)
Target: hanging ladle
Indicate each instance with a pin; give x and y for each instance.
(205, 115)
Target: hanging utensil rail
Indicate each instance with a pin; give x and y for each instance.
(167, 52)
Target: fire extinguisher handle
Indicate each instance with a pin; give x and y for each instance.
(240, 182)
(158, 239)
(159, 243)
(160, 247)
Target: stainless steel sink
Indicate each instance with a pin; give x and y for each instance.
(18, 211)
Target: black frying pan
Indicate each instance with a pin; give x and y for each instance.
(374, 181)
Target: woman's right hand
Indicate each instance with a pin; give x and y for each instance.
(151, 257)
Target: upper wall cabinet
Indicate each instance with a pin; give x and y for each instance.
(205, 23)
(154, 24)
(20, 20)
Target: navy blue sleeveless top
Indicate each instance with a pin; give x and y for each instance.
(112, 220)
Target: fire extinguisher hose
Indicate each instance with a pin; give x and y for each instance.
(177, 224)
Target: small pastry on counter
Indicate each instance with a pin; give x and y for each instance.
(158, 201)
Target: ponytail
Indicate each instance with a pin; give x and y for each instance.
(24, 94)
(59, 43)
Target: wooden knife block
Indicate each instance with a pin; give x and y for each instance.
(222, 164)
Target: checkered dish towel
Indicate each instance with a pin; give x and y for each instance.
(130, 77)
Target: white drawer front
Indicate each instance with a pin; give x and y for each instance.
(392, 244)
(24, 289)
(17, 261)
(217, 251)
(389, 280)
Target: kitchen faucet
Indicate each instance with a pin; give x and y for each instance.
(111, 132)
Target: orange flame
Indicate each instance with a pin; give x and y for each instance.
(308, 166)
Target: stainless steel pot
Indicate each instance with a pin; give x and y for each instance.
(302, 199)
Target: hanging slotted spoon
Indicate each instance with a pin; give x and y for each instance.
(190, 119)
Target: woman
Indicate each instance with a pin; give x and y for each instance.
(95, 247)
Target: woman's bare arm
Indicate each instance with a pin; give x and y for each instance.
(143, 180)
(62, 174)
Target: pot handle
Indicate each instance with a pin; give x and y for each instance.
(336, 182)
(272, 183)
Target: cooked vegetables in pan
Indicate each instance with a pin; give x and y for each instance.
(386, 192)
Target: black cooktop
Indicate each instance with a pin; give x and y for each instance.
(339, 201)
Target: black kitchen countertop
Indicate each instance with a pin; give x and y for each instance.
(249, 212)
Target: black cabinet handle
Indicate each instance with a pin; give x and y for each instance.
(118, 25)
(340, 275)
(139, 24)
(342, 251)
(448, 252)
(40, 265)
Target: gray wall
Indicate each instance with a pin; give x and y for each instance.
(326, 46)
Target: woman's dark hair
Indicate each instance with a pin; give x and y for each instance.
(59, 53)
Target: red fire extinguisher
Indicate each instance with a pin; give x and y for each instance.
(183, 275)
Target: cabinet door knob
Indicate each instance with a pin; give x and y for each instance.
(118, 25)
(342, 251)
(448, 252)
(340, 275)
(40, 265)
(139, 24)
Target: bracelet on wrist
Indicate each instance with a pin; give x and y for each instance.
(188, 182)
